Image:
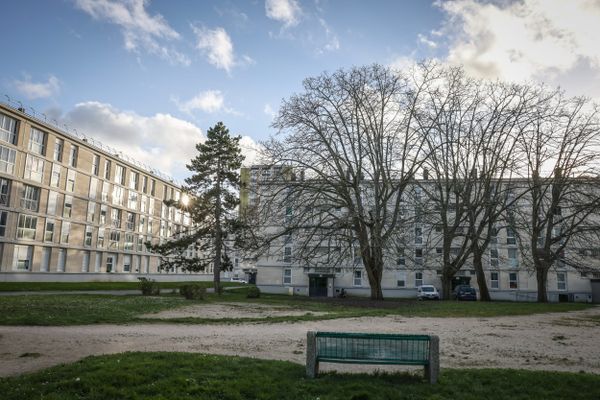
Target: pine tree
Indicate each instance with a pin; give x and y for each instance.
(211, 200)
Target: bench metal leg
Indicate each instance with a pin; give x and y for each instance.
(432, 370)
(312, 365)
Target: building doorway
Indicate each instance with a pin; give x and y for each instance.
(317, 286)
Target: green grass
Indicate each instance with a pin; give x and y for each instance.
(197, 376)
(41, 286)
(80, 309)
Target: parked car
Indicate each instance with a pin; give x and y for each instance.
(425, 292)
(237, 280)
(464, 292)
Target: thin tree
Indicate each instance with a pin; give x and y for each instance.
(560, 216)
(354, 136)
(213, 200)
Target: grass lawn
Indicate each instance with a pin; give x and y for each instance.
(76, 309)
(197, 376)
(41, 286)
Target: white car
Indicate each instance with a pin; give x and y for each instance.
(237, 280)
(425, 292)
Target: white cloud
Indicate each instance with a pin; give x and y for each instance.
(37, 90)
(140, 30)
(161, 141)
(250, 149)
(268, 110)
(528, 39)
(426, 41)
(209, 101)
(286, 11)
(332, 42)
(216, 45)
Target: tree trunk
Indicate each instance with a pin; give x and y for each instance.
(542, 280)
(218, 236)
(374, 273)
(446, 286)
(484, 293)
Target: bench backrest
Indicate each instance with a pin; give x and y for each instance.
(375, 348)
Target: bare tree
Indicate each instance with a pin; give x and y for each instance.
(562, 203)
(354, 136)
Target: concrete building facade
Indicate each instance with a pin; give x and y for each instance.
(70, 210)
(417, 263)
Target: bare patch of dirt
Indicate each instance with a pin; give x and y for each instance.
(231, 310)
(530, 342)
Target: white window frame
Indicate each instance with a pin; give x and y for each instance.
(561, 284)
(418, 279)
(357, 278)
(8, 158)
(513, 284)
(495, 283)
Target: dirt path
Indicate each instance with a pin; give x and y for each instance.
(560, 342)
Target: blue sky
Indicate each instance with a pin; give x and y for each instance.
(149, 77)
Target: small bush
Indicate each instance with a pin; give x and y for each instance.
(253, 292)
(149, 287)
(193, 292)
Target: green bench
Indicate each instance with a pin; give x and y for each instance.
(373, 348)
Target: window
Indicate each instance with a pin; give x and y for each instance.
(62, 260)
(128, 245)
(73, 156)
(115, 237)
(34, 168)
(22, 258)
(561, 280)
(55, 175)
(103, 211)
(65, 231)
(493, 257)
(126, 263)
(109, 263)
(68, 207)
(7, 160)
(288, 214)
(115, 218)
(287, 254)
(49, 230)
(512, 258)
(150, 226)
(59, 145)
(494, 235)
(133, 200)
(85, 264)
(45, 264)
(52, 202)
(163, 229)
(106, 169)
(30, 198)
(144, 184)
(513, 280)
(418, 235)
(37, 142)
(26, 227)
(3, 220)
(95, 164)
(87, 240)
(100, 241)
(401, 279)
(143, 203)
(510, 236)
(105, 190)
(119, 174)
(418, 256)
(142, 222)
(152, 187)
(117, 195)
(357, 278)
(151, 207)
(418, 279)
(287, 276)
(133, 180)
(91, 210)
(70, 187)
(5, 192)
(93, 188)
(130, 221)
(494, 282)
(8, 129)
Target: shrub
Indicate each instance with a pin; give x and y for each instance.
(193, 292)
(253, 292)
(149, 287)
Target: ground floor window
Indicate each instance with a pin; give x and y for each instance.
(62, 260)
(494, 281)
(357, 278)
(110, 260)
(513, 280)
(287, 276)
(561, 280)
(126, 263)
(418, 279)
(22, 258)
(401, 279)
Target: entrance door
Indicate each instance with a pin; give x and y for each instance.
(595, 290)
(317, 286)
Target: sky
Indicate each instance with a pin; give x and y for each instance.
(149, 77)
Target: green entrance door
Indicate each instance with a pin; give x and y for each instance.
(317, 286)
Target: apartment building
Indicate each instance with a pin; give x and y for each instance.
(73, 210)
(414, 261)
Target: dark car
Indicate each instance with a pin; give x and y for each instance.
(464, 292)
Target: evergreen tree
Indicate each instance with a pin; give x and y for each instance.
(211, 199)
